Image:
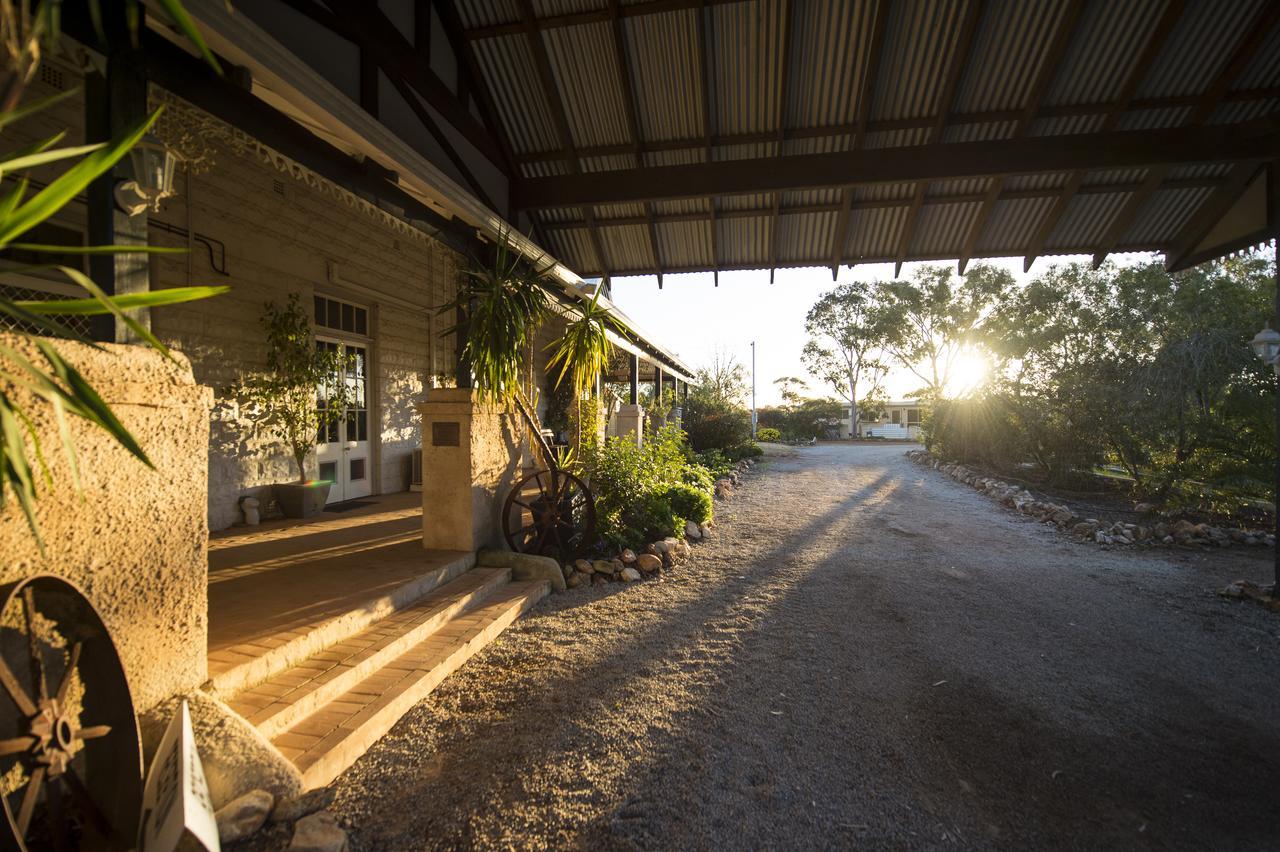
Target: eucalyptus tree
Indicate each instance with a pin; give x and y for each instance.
(849, 330)
(935, 315)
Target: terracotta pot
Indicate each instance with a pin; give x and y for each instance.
(302, 499)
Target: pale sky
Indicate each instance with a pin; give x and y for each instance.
(693, 318)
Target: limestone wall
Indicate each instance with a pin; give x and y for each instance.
(282, 236)
(134, 541)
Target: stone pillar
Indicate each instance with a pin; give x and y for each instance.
(470, 461)
(631, 422)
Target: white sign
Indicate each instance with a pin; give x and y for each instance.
(175, 802)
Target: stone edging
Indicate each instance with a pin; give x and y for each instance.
(1181, 533)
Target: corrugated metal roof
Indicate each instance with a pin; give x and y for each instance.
(827, 43)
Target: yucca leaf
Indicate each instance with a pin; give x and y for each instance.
(19, 113)
(40, 158)
(10, 202)
(149, 299)
(38, 146)
(71, 183)
(106, 301)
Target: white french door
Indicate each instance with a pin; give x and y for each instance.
(342, 447)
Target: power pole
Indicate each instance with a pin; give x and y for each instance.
(753, 390)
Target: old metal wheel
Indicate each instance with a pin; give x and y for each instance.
(70, 757)
(550, 513)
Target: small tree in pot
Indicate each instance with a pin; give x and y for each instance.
(302, 392)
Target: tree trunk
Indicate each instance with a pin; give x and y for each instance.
(300, 458)
(853, 408)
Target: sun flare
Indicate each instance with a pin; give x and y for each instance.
(968, 372)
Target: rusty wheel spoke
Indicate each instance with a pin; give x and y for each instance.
(29, 800)
(15, 690)
(33, 643)
(70, 672)
(16, 745)
(93, 732)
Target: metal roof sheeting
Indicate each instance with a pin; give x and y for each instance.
(759, 110)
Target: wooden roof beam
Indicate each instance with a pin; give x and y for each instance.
(1249, 45)
(866, 94)
(577, 19)
(633, 120)
(1251, 140)
(1209, 213)
(955, 73)
(781, 134)
(551, 92)
(1044, 78)
(705, 81)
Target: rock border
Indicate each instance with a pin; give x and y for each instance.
(1181, 533)
(658, 556)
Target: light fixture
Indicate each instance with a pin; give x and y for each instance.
(153, 165)
(1266, 345)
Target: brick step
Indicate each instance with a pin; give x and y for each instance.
(292, 647)
(329, 740)
(281, 700)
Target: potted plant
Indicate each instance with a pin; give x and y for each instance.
(302, 392)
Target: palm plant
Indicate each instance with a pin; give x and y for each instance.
(502, 303)
(25, 31)
(583, 351)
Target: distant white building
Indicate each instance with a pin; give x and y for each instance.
(901, 421)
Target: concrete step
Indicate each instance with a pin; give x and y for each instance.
(293, 647)
(284, 698)
(331, 738)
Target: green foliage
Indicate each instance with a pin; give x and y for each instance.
(583, 351)
(502, 305)
(690, 503)
(1131, 367)
(29, 30)
(641, 491)
(302, 390)
(768, 434)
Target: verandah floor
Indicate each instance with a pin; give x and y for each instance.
(281, 579)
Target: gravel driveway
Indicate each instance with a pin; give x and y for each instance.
(867, 654)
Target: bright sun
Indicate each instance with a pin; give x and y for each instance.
(968, 372)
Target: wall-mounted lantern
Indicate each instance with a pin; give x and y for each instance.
(1266, 345)
(153, 165)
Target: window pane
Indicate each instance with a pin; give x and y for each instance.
(362, 321)
(357, 469)
(319, 311)
(348, 318)
(329, 471)
(362, 423)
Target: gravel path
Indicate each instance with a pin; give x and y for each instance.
(867, 654)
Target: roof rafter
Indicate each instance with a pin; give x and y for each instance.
(882, 204)
(633, 120)
(1044, 78)
(865, 94)
(550, 91)
(783, 81)
(1208, 101)
(1258, 139)
(956, 119)
(1210, 211)
(577, 19)
(705, 81)
(955, 73)
(1150, 50)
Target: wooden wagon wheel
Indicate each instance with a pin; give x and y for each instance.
(550, 513)
(70, 757)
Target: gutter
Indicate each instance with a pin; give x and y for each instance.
(278, 75)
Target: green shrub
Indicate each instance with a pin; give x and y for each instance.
(768, 434)
(714, 424)
(690, 503)
(647, 492)
(744, 450)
